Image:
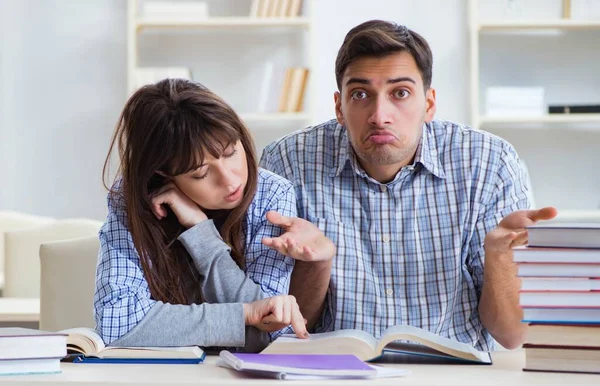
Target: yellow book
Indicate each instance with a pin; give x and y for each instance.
(295, 6)
(285, 88)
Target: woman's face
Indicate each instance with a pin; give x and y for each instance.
(218, 183)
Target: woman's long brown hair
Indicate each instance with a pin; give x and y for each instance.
(167, 128)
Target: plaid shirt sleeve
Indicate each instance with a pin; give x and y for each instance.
(265, 266)
(508, 193)
(122, 296)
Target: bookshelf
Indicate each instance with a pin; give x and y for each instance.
(542, 46)
(527, 27)
(237, 73)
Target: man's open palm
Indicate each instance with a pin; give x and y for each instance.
(511, 231)
(301, 239)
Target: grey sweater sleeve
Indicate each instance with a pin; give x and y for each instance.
(222, 281)
(219, 324)
(188, 325)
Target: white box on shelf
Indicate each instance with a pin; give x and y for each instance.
(585, 9)
(514, 101)
(175, 10)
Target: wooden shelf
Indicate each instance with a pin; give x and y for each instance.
(222, 22)
(507, 25)
(552, 118)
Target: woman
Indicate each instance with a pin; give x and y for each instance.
(185, 224)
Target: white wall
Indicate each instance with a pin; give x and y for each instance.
(63, 83)
(63, 79)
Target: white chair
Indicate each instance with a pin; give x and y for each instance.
(68, 270)
(14, 221)
(22, 253)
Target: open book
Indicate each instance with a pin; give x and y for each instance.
(366, 347)
(87, 342)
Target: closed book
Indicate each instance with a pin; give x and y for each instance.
(562, 359)
(21, 343)
(564, 284)
(585, 335)
(29, 366)
(570, 315)
(305, 367)
(527, 254)
(559, 299)
(584, 235)
(574, 109)
(558, 270)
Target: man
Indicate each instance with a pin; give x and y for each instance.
(415, 206)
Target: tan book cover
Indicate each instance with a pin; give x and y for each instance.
(263, 7)
(283, 9)
(272, 8)
(296, 90)
(295, 6)
(285, 90)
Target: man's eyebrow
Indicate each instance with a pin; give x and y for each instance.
(358, 80)
(402, 79)
(390, 81)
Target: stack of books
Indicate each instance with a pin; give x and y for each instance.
(275, 8)
(560, 297)
(27, 351)
(291, 99)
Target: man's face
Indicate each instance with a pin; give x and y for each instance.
(383, 106)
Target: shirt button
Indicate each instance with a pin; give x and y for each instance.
(386, 238)
(383, 188)
(389, 292)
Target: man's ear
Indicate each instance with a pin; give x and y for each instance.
(430, 104)
(337, 98)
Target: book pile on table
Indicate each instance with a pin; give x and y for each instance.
(27, 351)
(560, 297)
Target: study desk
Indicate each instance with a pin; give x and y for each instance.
(506, 371)
(19, 310)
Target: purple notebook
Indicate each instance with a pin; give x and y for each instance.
(327, 365)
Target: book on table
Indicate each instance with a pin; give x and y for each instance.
(569, 315)
(572, 359)
(305, 366)
(397, 339)
(29, 351)
(565, 235)
(580, 335)
(86, 345)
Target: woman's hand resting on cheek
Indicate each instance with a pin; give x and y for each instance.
(187, 211)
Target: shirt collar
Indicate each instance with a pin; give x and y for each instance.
(426, 154)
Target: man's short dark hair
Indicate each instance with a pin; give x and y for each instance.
(378, 38)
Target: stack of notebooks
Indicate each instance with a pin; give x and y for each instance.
(560, 297)
(26, 351)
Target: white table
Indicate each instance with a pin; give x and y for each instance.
(506, 370)
(19, 310)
